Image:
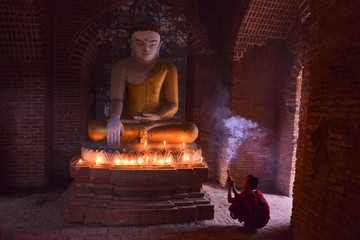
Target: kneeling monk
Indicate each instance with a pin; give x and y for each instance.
(249, 206)
(152, 96)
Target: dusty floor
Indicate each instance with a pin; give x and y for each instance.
(38, 216)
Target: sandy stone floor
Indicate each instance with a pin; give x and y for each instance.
(38, 216)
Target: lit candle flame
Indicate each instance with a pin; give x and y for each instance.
(140, 161)
(164, 145)
(201, 159)
(183, 146)
(80, 160)
(98, 160)
(145, 145)
(117, 161)
(132, 162)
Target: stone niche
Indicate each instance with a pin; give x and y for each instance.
(135, 183)
(123, 191)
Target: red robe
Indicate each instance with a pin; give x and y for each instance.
(251, 207)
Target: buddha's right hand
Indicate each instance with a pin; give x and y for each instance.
(114, 129)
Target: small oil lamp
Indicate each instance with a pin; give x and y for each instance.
(117, 161)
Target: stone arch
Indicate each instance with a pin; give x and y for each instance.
(264, 21)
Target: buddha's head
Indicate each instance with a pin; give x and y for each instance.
(145, 42)
(250, 182)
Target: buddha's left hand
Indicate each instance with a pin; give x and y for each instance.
(148, 116)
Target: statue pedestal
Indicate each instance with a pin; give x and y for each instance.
(136, 195)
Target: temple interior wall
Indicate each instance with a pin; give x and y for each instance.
(47, 79)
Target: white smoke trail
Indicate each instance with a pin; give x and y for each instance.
(239, 129)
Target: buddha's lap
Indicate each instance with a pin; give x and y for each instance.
(175, 131)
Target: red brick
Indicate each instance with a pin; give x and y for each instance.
(140, 216)
(99, 175)
(74, 213)
(204, 212)
(187, 214)
(103, 189)
(94, 215)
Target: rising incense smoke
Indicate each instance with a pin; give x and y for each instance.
(239, 130)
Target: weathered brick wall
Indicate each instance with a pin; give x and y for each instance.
(289, 113)
(326, 188)
(234, 12)
(25, 92)
(264, 20)
(263, 89)
(205, 71)
(258, 94)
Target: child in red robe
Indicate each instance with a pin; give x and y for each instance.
(249, 206)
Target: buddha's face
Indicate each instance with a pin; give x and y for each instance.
(145, 45)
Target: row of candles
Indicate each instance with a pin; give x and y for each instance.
(183, 146)
(153, 157)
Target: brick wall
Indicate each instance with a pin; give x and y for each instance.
(25, 92)
(204, 98)
(264, 20)
(259, 94)
(234, 12)
(326, 188)
(263, 23)
(289, 112)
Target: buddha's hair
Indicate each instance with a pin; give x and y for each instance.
(146, 25)
(253, 181)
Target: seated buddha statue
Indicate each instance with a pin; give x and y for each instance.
(151, 84)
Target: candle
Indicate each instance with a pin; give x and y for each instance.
(117, 161)
(183, 146)
(145, 146)
(80, 162)
(98, 160)
(164, 145)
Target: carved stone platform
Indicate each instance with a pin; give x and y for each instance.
(136, 195)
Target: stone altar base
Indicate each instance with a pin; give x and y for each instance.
(136, 195)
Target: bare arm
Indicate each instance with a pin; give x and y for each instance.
(114, 126)
(235, 191)
(231, 188)
(117, 90)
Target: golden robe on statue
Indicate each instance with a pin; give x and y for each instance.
(157, 94)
